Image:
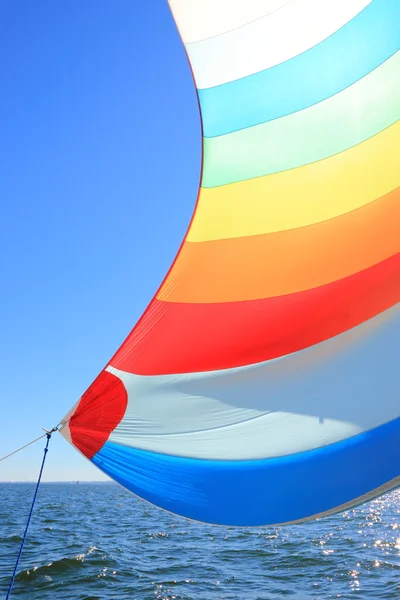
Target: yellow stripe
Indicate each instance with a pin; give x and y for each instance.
(302, 196)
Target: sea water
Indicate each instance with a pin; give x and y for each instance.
(97, 541)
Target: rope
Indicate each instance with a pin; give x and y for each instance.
(48, 434)
(22, 447)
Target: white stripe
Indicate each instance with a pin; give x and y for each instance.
(287, 32)
(302, 401)
(201, 19)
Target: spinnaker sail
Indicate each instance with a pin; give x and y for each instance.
(261, 384)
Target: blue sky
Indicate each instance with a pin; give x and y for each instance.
(100, 160)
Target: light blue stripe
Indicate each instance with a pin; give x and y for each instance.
(259, 492)
(329, 67)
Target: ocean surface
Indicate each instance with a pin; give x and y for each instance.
(97, 541)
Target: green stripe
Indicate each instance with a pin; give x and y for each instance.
(340, 122)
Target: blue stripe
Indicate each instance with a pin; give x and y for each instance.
(259, 492)
(329, 67)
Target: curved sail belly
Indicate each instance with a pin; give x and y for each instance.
(260, 385)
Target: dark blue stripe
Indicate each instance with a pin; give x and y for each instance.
(329, 67)
(259, 492)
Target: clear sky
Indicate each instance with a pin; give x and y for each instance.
(100, 160)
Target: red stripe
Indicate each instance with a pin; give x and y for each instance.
(184, 338)
(99, 411)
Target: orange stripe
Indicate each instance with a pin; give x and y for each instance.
(174, 337)
(286, 262)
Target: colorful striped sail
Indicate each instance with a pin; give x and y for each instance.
(261, 384)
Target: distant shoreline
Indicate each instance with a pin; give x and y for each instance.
(74, 481)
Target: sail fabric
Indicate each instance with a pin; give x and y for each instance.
(260, 386)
